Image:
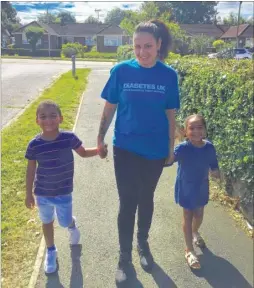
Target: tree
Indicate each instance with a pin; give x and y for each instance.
(9, 19)
(33, 35)
(47, 18)
(196, 12)
(92, 20)
(232, 19)
(199, 44)
(115, 16)
(65, 17)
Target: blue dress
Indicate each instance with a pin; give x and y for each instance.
(192, 181)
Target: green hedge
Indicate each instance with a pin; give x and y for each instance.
(222, 90)
(99, 55)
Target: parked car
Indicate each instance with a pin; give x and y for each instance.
(236, 53)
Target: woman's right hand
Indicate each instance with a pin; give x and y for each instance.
(102, 149)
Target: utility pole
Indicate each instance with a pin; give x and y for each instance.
(48, 31)
(238, 20)
(98, 13)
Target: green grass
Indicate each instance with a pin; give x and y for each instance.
(21, 228)
(58, 58)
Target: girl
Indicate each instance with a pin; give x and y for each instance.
(194, 156)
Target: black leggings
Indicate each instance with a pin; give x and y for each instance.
(136, 179)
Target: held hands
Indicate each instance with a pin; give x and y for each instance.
(30, 203)
(169, 160)
(102, 149)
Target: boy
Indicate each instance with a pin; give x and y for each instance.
(51, 150)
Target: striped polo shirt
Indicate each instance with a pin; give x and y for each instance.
(55, 163)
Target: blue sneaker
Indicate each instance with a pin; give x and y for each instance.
(50, 263)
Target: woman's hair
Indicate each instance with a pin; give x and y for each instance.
(199, 117)
(159, 31)
(48, 103)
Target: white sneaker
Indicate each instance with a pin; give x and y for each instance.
(50, 263)
(74, 236)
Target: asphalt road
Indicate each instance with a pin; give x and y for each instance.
(22, 80)
(227, 263)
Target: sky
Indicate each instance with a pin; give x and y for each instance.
(28, 11)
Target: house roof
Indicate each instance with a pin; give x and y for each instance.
(248, 32)
(209, 30)
(224, 28)
(46, 27)
(232, 31)
(111, 30)
(77, 28)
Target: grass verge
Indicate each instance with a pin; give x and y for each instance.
(58, 58)
(21, 228)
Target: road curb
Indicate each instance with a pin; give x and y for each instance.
(41, 250)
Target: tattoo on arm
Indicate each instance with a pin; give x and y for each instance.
(107, 116)
(103, 127)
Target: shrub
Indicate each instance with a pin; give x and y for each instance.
(99, 55)
(94, 49)
(222, 90)
(125, 52)
(70, 49)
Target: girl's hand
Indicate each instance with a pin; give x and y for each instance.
(102, 149)
(170, 160)
(30, 203)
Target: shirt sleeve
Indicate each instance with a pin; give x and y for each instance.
(75, 142)
(111, 92)
(178, 152)
(213, 159)
(173, 101)
(30, 153)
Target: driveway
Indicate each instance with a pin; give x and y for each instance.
(23, 80)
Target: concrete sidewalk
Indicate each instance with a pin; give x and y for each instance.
(227, 263)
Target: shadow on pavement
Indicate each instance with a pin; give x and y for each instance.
(133, 282)
(53, 281)
(76, 271)
(161, 278)
(218, 272)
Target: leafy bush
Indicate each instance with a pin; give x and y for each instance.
(219, 44)
(99, 55)
(70, 49)
(94, 49)
(222, 91)
(125, 52)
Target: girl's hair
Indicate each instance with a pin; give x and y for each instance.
(159, 30)
(48, 103)
(200, 117)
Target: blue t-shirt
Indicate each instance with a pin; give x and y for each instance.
(142, 95)
(192, 181)
(54, 173)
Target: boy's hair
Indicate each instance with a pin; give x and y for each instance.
(48, 103)
(200, 117)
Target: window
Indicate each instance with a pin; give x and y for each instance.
(24, 39)
(89, 41)
(113, 40)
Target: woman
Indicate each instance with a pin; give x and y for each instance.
(144, 91)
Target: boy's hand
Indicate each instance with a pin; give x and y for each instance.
(30, 202)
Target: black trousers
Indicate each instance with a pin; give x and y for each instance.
(136, 179)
